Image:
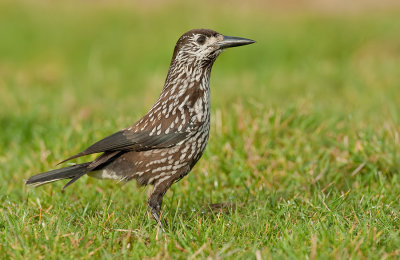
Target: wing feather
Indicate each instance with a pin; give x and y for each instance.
(128, 140)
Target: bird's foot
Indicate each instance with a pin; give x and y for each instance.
(162, 223)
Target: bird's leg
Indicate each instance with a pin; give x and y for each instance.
(154, 206)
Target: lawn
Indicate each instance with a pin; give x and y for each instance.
(304, 155)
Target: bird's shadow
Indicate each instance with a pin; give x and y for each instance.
(226, 208)
(208, 211)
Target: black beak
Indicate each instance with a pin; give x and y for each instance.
(230, 41)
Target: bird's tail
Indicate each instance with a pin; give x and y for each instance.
(72, 172)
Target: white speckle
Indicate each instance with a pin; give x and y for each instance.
(185, 149)
(163, 160)
(182, 156)
(154, 178)
(170, 107)
(173, 88)
(105, 174)
(178, 166)
(198, 109)
(173, 150)
(156, 169)
(181, 142)
(159, 181)
(144, 127)
(183, 102)
(182, 90)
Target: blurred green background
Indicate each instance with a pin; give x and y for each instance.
(313, 105)
(57, 56)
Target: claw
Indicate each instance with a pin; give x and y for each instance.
(161, 222)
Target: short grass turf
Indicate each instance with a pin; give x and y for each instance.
(303, 158)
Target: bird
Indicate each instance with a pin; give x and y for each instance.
(164, 145)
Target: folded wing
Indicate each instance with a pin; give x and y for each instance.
(128, 140)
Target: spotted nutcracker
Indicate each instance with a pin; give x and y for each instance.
(163, 146)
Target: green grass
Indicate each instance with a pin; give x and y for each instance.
(303, 159)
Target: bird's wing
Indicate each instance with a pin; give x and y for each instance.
(128, 140)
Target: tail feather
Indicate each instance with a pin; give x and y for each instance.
(72, 172)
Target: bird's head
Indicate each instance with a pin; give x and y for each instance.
(200, 47)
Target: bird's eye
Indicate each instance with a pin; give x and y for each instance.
(201, 40)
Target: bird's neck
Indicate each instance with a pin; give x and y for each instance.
(186, 88)
(183, 72)
(186, 95)
(186, 80)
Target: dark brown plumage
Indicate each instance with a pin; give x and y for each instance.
(163, 146)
